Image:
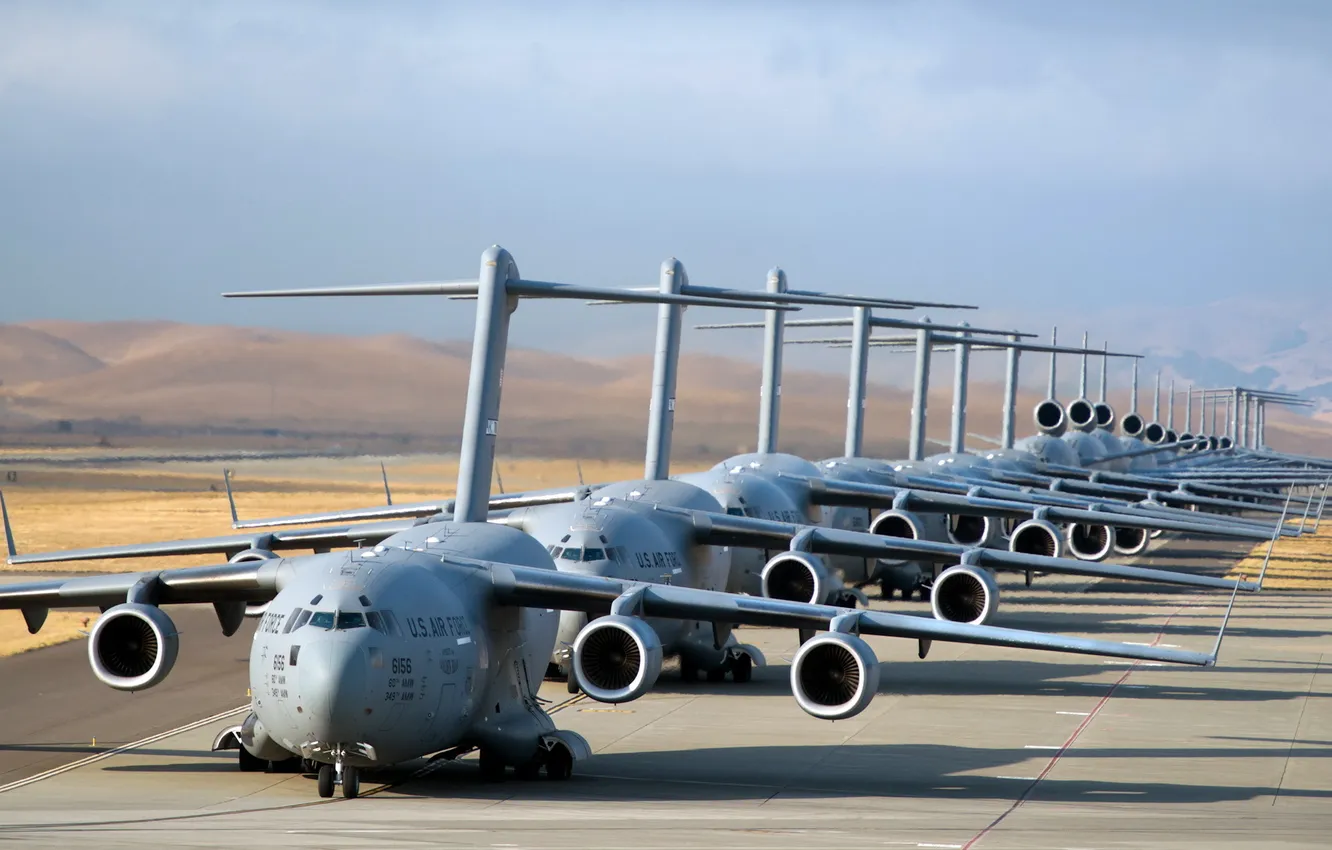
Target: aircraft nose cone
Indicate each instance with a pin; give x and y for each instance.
(333, 682)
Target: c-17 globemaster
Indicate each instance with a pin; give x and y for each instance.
(434, 640)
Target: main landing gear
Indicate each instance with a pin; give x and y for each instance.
(739, 665)
(349, 778)
(886, 592)
(557, 763)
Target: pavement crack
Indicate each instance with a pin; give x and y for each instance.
(1295, 733)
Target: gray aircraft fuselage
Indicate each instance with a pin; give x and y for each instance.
(605, 535)
(399, 651)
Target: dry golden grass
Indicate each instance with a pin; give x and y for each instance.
(60, 626)
(1298, 563)
(143, 504)
(173, 504)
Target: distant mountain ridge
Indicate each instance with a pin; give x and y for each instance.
(159, 377)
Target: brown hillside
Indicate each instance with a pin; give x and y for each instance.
(160, 376)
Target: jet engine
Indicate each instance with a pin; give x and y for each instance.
(834, 676)
(1050, 418)
(1133, 425)
(1089, 542)
(1081, 415)
(616, 658)
(1130, 541)
(1225, 442)
(1153, 433)
(1105, 417)
(965, 594)
(133, 646)
(971, 530)
(1036, 537)
(796, 577)
(902, 524)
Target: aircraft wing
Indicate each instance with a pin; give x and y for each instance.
(532, 587)
(726, 530)
(417, 510)
(229, 544)
(833, 492)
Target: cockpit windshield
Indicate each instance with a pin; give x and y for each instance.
(322, 620)
(350, 620)
(571, 554)
(594, 554)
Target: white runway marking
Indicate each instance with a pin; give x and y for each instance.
(124, 748)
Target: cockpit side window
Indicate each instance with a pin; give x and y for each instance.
(322, 620)
(594, 554)
(391, 622)
(573, 553)
(350, 620)
(291, 621)
(735, 511)
(375, 621)
(555, 551)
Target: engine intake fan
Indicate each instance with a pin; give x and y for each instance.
(616, 658)
(965, 594)
(133, 646)
(1130, 541)
(1036, 537)
(834, 676)
(796, 577)
(1089, 542)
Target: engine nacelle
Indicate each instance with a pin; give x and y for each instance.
(1105, 417)
(1130, 541)
(971, 530)
(133, 646)
(902, 524)
(1133, 425)
(252, 555)
(1153, 433)
(1081, 415)
(1089, 542)
(616, 658)
(1188, 438)
(796, 577)
(1225, 442)
(834, 676)
(1036, 537)
(1050, 418)
(1171, 436)
(965, 594)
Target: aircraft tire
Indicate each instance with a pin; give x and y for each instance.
(718, 675)
(351, 783)
(528, 772)
(688, 671)
(492, 768)
(559, 764)
(325, 780)
(249, 763)
(742, 669)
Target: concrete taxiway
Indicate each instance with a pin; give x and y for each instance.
(974, 747)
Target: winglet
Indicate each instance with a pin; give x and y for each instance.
(9, 532)
(1271, 544)
(1216, 650)
(388, 495)
(231, 500)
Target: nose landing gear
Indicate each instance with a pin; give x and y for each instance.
(339, 774)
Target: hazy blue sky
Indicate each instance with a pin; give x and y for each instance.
(1068, 157)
